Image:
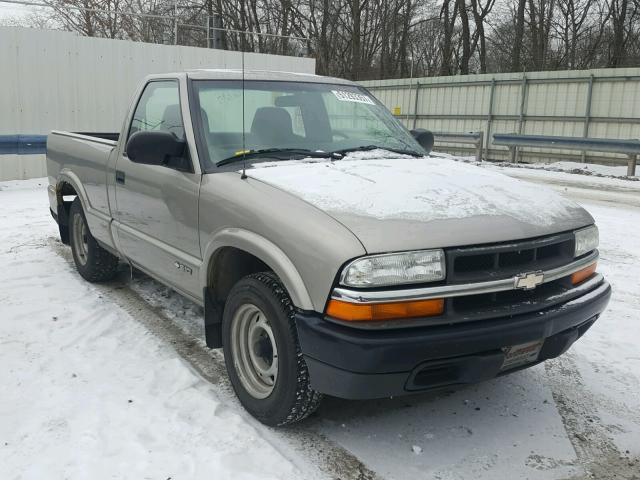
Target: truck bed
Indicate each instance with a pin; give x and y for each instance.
(86, 155)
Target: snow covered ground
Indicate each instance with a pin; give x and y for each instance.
(89, 392)
(591, 169)
(582, 168)
(113, 381)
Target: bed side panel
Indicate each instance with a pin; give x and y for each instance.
(82, 161)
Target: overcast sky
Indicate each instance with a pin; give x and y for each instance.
(12, 10)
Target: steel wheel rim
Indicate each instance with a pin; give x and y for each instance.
(80, 239)
(254, 350)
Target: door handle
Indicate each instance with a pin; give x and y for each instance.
(120, 177)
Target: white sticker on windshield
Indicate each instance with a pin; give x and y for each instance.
(352, 97)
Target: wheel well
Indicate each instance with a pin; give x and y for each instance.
(65, 194)
(227, 266)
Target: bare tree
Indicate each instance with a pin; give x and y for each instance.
(465, 38)
(518, 37)
(448, 18)
(480, 13)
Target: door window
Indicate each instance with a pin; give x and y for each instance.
(159, 109)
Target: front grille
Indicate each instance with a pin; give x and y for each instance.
(509, 302)
(506, 260)
(494, 262)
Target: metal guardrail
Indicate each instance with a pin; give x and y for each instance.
(23, 144)
(472, 138)
(631, 148)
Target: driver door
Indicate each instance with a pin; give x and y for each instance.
(157, 205)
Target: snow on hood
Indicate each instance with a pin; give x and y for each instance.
(414, 189)
(372, 185)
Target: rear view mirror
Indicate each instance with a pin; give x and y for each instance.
(424, 138)
(299, 99)
(288, 101)
(153, 147)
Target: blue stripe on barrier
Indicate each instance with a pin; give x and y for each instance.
(23, 144)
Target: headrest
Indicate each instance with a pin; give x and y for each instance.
(172, 121)
(272, 125)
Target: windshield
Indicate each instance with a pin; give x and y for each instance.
(292, 115)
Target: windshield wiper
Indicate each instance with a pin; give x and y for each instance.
(277, 153)
(366, 148)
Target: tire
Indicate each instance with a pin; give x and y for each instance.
(93, 262)
(259, 312)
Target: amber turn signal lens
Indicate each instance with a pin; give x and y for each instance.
(581, 275)
(358, 312)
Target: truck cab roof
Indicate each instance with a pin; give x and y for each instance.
(266, 75)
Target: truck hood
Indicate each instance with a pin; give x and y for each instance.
(407, 203)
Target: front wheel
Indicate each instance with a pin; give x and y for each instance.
(262, 353)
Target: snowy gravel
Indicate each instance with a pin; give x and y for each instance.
(613, 171)
(94, 388)
(576, 168)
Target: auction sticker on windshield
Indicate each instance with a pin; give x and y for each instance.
(521, 354)
(352, 97)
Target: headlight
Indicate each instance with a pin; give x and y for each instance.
(395, 269)
(586, 240)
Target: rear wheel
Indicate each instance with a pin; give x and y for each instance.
(262, 353)
(93, 262)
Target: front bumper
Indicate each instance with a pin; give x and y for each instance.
(357, 364)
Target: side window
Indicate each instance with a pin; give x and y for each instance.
(159, 109)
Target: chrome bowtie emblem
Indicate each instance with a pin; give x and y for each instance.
(529, 280)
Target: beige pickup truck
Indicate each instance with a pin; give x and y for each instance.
(331, 251)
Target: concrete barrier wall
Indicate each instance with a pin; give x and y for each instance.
(603, 103)
(53, 80)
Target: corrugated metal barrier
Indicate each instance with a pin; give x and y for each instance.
(54, 80)
(602, 103)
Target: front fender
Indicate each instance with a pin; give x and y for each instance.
(266, 251)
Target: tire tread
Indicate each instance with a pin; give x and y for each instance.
(307, 399)
(101, 265)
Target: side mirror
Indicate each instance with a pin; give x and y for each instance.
(153, 147)
(424, 138)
